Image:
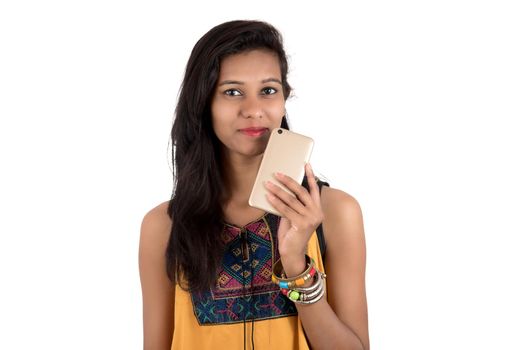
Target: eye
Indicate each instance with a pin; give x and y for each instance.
(269, 91)
(232, 92)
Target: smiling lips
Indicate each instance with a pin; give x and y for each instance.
(254, 132)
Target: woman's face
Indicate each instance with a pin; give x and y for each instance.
(248, 101)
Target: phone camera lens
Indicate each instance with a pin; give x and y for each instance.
(280, 131)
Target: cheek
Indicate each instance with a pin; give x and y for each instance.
(221, 110)
(217, 126)
(276, 109)
(220, 119)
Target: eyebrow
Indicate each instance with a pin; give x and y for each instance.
(226, 82)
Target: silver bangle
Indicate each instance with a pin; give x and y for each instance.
(315, 299)
(313, 293)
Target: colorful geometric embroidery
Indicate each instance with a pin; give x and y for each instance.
(243, 288)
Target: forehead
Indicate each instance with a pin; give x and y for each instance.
(251, 64)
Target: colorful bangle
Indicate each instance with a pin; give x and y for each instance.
(280, 278)
(308, 295)
(296, 293)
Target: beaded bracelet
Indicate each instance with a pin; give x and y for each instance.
(307, 295)
(300, 280)
(298, 293)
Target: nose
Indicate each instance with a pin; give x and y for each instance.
(251, 107)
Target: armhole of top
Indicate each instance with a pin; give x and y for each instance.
(319, 230)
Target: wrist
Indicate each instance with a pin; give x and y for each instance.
(293, 265)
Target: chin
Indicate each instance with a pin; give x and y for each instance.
(253, 153)
(249, 151)
(252, 148)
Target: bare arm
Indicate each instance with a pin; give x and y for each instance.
(157, 289)
(343, 322)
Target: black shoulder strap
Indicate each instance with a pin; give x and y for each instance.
(319, 230)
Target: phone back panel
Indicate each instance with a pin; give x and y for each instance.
(286, 152)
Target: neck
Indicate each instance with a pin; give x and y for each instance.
(239, 176)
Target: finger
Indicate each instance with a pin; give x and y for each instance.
(301, 193)
(286, 197)
(313, 187)
(283, 208)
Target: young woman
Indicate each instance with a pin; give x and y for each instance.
(219, 274)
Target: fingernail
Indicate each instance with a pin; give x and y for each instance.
(308, 166)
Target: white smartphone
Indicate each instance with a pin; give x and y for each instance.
(286, 152)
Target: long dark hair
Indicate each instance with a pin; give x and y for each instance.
(195, 246)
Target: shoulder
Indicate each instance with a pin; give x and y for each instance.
(343, 220)
(336, 202)
(156, 225)
(157, 217)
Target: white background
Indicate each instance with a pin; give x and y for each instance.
(416, 109)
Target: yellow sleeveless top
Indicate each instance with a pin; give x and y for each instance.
(244, 303)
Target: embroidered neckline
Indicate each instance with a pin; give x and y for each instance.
(248, 224)
(244, 289)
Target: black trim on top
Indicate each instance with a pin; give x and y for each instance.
(319, 230)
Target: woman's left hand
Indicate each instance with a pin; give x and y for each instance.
(300, 215)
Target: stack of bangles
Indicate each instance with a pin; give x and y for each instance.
(292, 287)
